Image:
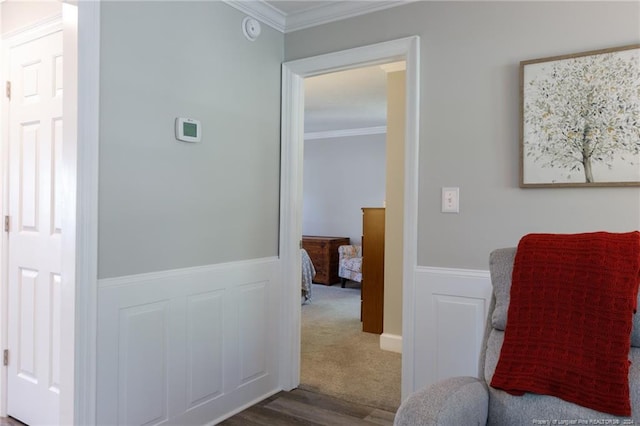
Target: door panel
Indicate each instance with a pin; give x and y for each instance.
(34, 255)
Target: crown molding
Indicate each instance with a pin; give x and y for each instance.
(269, 15)
(376, 130)
(262, 11)
(337, 11)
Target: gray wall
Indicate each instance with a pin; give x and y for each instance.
(469, 116)
(342, 175)
(165, 204)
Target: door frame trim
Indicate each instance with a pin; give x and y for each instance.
(80, 405)
(292, 140)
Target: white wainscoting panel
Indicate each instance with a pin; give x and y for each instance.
(142, 360)
(451, 307)
(252, 330)
(187, 346)
(204, 351)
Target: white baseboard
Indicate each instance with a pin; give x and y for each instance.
(391, 342)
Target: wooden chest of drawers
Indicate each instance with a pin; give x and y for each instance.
(323, 252)
(372, 269)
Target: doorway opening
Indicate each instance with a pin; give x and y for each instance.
(294, 73)
(346, 145)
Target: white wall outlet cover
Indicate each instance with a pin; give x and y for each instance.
(450, 200)
(251, 28)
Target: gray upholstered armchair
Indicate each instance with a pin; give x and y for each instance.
(471, 401)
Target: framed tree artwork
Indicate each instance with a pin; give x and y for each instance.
(580, 119)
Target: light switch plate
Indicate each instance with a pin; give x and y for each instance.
(450, 200)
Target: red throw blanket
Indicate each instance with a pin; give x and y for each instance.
(570, 315)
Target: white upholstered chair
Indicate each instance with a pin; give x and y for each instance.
(350, 263)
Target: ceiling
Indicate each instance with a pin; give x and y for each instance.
(345, 101)
(290, 7)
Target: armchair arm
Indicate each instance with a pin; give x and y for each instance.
(455, 401)
(349, 251)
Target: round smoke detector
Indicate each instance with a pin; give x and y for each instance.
(251, 28)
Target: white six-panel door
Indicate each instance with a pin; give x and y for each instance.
(34, 256)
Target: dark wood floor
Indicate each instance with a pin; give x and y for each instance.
(300, 407)
(10, 421)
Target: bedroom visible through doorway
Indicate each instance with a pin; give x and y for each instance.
(346, 144)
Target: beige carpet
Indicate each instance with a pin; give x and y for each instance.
(338, 359)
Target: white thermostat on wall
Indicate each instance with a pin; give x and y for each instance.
(188, 130)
